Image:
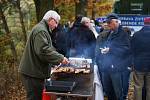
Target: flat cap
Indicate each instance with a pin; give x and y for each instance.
(111, 16)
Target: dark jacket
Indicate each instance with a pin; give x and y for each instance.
(119, 56)
(102, 37)
(82, 42)
(70, 35)
(39, 53)
(59, 40)
(141, 49)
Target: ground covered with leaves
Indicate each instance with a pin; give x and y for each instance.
(10, 84)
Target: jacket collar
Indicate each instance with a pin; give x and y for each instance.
(44, 22)
(114, 33)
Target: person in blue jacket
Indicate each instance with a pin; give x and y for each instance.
(113, 57)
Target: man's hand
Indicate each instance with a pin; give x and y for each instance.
(104, 50)
(65, 61)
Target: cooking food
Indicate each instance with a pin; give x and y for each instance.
(79, 70)
(71, 70)
(65, 69)
(86, 71)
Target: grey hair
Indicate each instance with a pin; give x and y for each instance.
(52, 14)
(85, 19)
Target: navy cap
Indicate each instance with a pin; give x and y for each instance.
(111, 16)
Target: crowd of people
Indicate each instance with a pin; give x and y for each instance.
(110, 46)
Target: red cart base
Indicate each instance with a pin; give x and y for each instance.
(48, 96)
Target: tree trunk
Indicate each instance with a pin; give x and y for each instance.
(81, 7)
(22, 22)
(94, 9)
(42, 6)
(13, 49)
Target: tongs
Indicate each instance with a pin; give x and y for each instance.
(62, 65)
(58, 66)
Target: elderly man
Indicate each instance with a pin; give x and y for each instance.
(39, 55)
(141, 53)
(113, 58)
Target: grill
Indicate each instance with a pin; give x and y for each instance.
(59, 86)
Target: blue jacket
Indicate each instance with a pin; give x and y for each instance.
(141, 49)
(119, 56)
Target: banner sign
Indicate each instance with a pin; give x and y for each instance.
(128, 20)
(132, 20)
